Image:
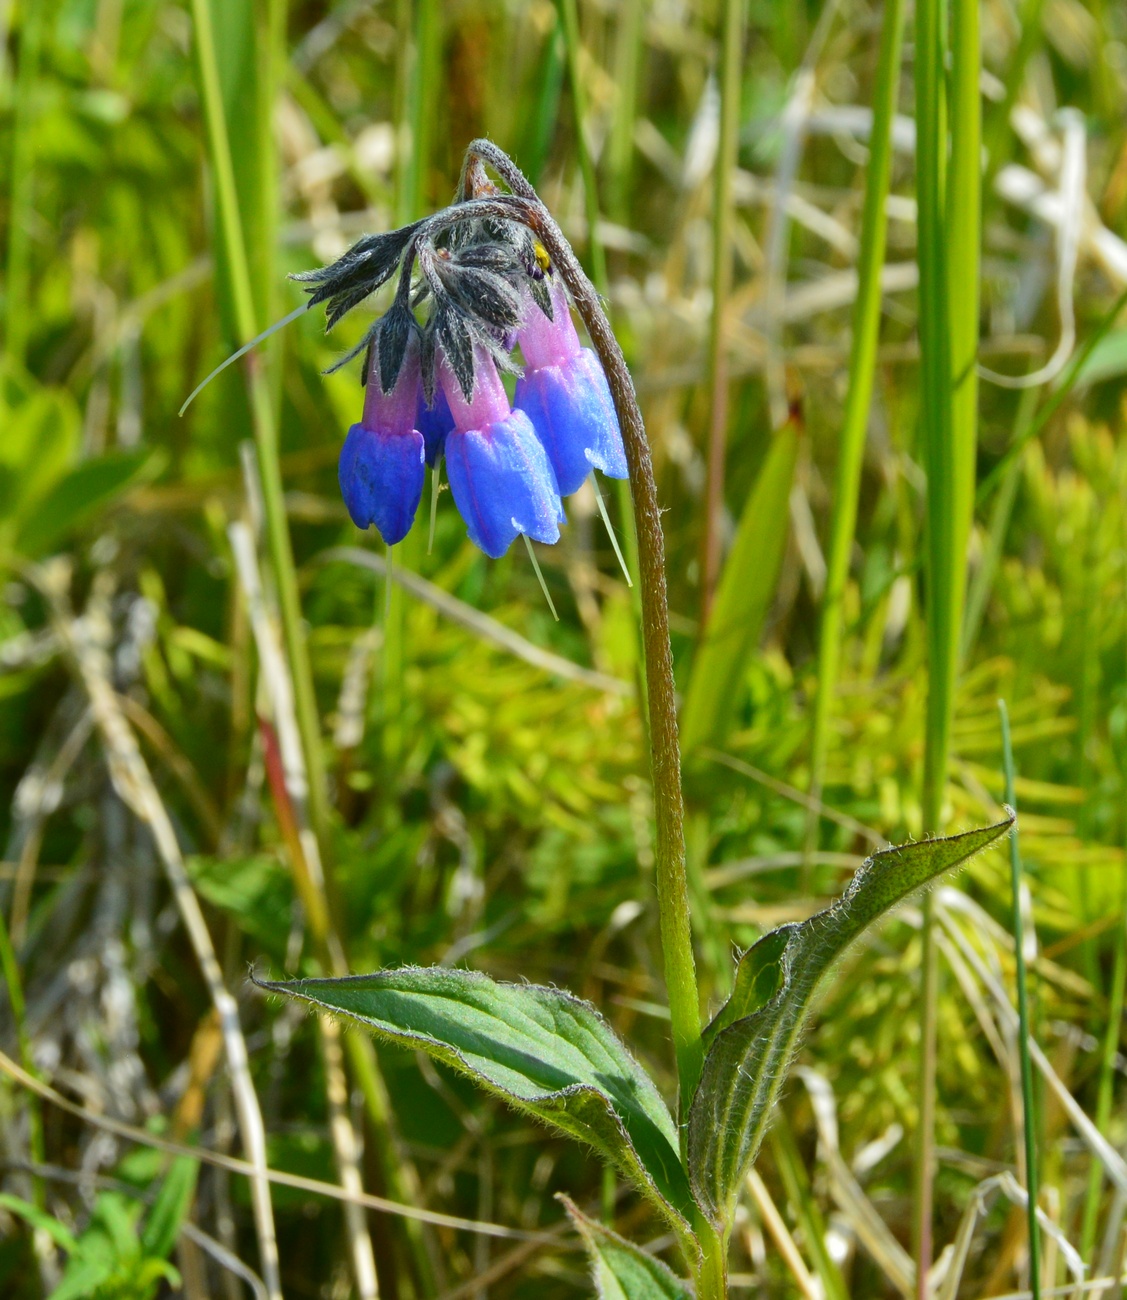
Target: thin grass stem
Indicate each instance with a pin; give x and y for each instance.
(569, 17)
(602, 505)
(389, 560)
(620, 146)
(862, 369)
(238, 286)
(1029, 1114)
(731, 59)
(241, 352)
(545, 115)
(540, 576)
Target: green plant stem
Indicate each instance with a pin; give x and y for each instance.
(1029, 1114)
(964, 229)
(16, 313)
(665, 754)
(949, 244)
(862, 369)
(712, 1276)
(569, 15)
(731, 60)
(542, 122)
(10, 967)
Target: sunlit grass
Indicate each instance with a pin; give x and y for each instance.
(493, 813)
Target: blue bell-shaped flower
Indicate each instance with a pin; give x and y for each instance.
(382, 462)
(565, 394)
(500, 477)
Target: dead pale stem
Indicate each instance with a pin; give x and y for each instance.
(134, 785)
(10, 970)
(332, 1191)
(286, 776)
(775, 1224)
(49, 789)
(177, 764)
(286, 772)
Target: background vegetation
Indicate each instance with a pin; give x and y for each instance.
(487, 798)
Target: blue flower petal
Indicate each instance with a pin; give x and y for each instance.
(572, 411)
(503, 484)
(434, 423)
(381, 479)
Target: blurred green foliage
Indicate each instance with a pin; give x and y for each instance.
(485, 812)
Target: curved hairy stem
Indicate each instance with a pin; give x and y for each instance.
(665, 753)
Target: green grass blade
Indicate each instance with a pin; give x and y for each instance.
(949, 243)
(742, 599)
(569, 16)
(731, 59)
(620, 146)
(420, 29)
(1029, 1113)
(862, 368)
(545, 114)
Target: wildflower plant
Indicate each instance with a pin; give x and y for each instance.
(473, 285)
(488, 275)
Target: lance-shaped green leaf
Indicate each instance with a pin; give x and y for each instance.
(541, 1050)
(621, 1270)
(751, 1042)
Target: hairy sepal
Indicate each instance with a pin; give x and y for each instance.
(621, 1270)
(543, 1051)
(751, 1042)
(395, 332)
(357, 273)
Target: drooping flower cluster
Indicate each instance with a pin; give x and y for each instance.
(471, 290)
